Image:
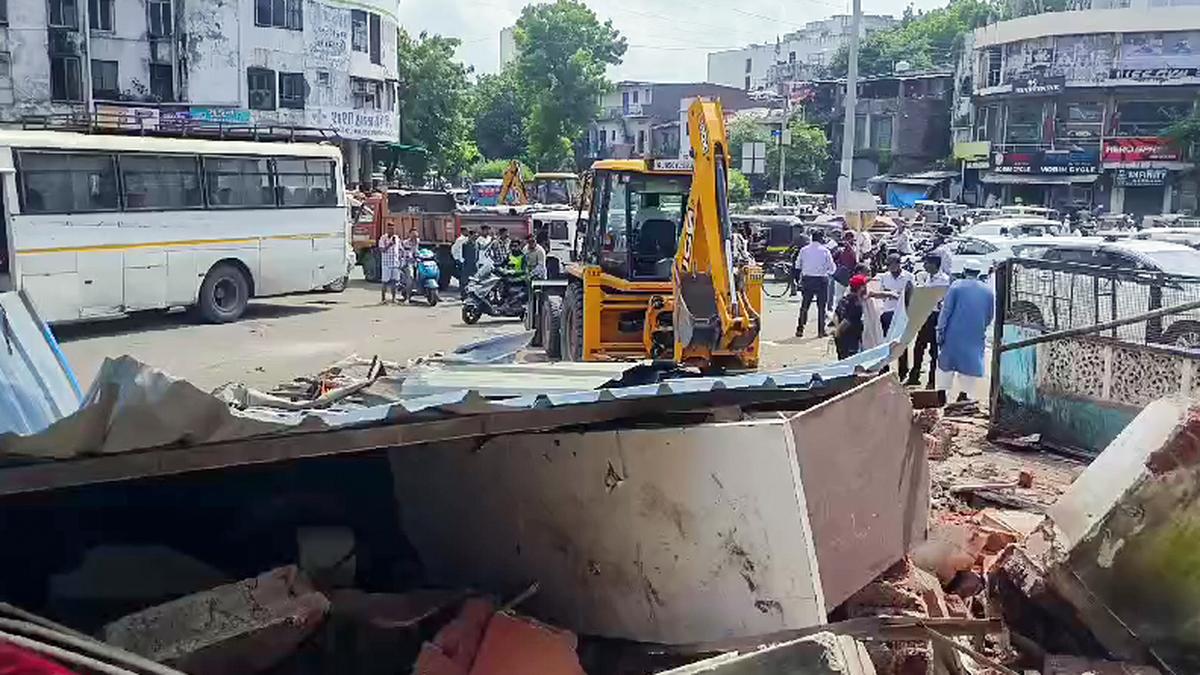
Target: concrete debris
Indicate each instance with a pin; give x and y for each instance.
(483, 641)
(378, 633)
(113, 580)
(819, 654)
(1058, 664)
(246, 627)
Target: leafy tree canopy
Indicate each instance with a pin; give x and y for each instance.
(434, 101)
(499, 116)
(562, 53)
(926, 40)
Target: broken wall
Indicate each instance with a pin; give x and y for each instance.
(680, 534)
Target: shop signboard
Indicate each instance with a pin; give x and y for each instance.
(1038, 85)
(1152, 74)
(1054, 162)
(1141, 177)
(1140, 149)
(972, 151)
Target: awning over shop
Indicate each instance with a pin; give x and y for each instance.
(993, 178)
(926, 178)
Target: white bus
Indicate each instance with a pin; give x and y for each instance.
(100, 225)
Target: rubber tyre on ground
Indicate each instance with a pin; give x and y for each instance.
(471, 313)
(224, 294)
(572, 324)
(551, 319)
(431, 294)
(371, 265)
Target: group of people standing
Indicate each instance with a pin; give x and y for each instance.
(502, 252)
(838, 278)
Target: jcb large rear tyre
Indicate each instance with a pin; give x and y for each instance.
(551, 329)
(572, 324)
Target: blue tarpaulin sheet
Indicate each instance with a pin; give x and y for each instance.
(905, 196)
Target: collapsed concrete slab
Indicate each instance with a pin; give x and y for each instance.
(1128, 538)
(682, 534)
(245, 627)
(820, 654)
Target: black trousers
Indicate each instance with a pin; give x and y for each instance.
(813, 288)
(926, 338)
(885, 321)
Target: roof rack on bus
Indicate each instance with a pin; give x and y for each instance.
(126, 124)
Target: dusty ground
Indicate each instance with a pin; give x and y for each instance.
(280, 338)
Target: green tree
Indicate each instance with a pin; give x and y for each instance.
(494, 168)
(434, 99)
(562, 53)
(499, 116)
(925, 40)
(807, 158)
(739, 187)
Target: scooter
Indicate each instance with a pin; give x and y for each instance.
(428, 275)
(495, 293)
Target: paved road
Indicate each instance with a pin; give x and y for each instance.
(281, 338)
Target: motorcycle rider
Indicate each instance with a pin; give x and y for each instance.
(535, 258)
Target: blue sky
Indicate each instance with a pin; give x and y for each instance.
(668, 38)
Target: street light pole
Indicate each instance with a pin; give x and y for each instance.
(783, 124)
(844, 176)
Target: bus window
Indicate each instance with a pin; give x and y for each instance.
(305, 182)
(236, 181)
(67, 182)
(161, 181)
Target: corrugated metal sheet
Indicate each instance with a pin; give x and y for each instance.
(36, 386)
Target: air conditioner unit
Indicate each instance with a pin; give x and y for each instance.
(261, 100)
(160, 51)
(64, 42)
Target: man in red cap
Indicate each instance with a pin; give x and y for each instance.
(847, 337)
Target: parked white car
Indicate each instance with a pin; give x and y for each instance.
(1085, 299)
(1015, 227)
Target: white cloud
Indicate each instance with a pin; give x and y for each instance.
(669, 39)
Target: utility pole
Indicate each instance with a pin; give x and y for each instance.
(844, 176)
(783, 126)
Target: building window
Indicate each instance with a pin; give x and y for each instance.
(641, 146)
(1148, 118)
(63, 14)
(291, 90)
(104, 80)
(322, 78)
(261, 83)
(3, 12)
(279, 14)
(1082, 122)
(860, 131)
(64, 78)
(881, 133)
(100, 14)
(366, 94)
(161, 182)
(160, 18)
(1024, 124)
(162, 84)
(238, 182)
(635, 95)
(358, 30)
(993, 59)
(747, 83)
(305, 182)
(749, 64)
(67, 182)
(791, 57)
(374, 38)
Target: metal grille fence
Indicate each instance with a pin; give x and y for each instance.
(1056, 296)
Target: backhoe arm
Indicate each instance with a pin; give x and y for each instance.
(716, 324)
(513, 184)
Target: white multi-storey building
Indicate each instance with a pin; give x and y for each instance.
(763, 65)
(323, 64)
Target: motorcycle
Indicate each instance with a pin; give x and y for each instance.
(428, 275)
(495, 292)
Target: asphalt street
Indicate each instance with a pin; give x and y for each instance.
(282, 338)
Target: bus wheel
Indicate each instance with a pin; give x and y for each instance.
(370, 265)
(224, 294)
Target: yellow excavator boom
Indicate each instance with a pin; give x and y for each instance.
(514, 185)
(716, 315)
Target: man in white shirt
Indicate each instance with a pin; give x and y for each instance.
(942, 250)
(932, 275)
(903, 246)
(815, 264)
(896, 288)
